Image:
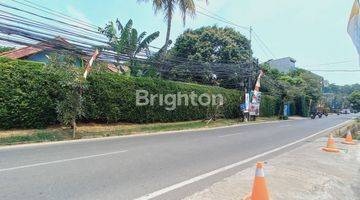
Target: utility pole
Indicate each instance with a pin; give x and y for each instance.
(248, 85)
(250, 35)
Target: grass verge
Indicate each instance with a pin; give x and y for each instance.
(106, 130)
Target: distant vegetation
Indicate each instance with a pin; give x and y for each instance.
(301, 89)
(338, 97)
(5, 49)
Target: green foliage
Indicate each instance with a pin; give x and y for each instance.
(337, 97)
(37, 137)
(126, 40)
(168, 7)
(5, 49)
(213, 44)
(69, 103)
(354, 99)
(343, 90)
(28, 95)
(297, 87)
(204, 49)
(302, 106)
(269, 106)
(112, 98)
(33, 95)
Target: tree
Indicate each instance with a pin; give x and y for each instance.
(213, 44)
(187, 7)
(299, 86)
(125, 40)
(216, 56)
(354, 99)
(70, 104)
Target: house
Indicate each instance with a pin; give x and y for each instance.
(284, 65)
(39, 52)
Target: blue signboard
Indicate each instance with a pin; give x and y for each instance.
(242, 107)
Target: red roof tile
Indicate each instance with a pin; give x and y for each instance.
(27, 51)
(22, 52)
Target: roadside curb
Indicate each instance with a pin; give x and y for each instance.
(135, 135)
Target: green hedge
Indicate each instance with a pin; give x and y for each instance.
(112, 98)
(302, 106)
(269, 106)
(29, 93)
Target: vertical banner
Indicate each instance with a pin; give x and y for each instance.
(247, 102)
(255, 103)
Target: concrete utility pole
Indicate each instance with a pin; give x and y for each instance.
(250, 35)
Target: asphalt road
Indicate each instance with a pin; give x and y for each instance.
(166, 166)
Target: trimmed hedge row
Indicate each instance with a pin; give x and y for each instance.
(112, 98)
(269, 106)
(302, 106)
(29, 93)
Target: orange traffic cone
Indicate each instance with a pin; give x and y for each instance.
(259, 191)
(330, 147)
(349, 139)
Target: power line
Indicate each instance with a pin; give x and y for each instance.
(86, 48)
(47, 18)
(224, 20)
(334, 70)
(334, 63)
(263, 43)
(177, 58)
(220, 18)
(54, 12)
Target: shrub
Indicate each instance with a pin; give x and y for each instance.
(269, 106)
(29, 95)
(292, 108)
(302, 106)
(112, 98)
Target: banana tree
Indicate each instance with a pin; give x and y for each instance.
(125, 40)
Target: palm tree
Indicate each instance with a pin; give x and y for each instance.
(187, 7)
(126, 40)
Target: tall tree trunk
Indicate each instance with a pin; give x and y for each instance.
(164, 49)
(74, 128)
(168, 33)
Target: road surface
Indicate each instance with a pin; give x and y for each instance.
(165, 166)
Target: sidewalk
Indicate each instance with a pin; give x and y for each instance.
(305, 173)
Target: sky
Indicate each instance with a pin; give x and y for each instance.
(314, 32)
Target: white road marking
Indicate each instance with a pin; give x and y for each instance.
(229, 135)
(223, 169)
(284, 126)
(61, 161)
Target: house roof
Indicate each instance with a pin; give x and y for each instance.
(39, 47)
(22, 52)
